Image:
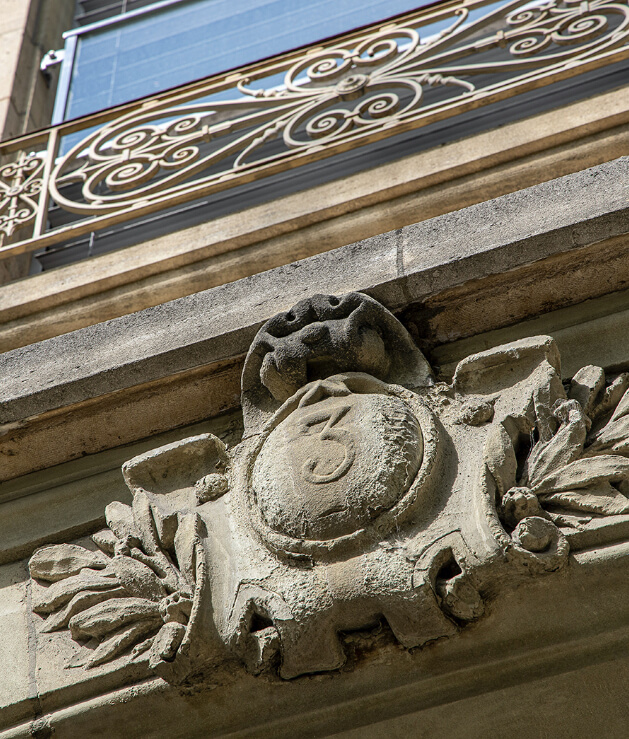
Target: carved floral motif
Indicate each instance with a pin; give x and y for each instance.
(362, 491)
(134, 592)
(575, 463)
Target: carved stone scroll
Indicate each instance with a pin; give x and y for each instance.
(362, 492)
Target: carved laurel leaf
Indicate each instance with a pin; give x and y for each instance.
(128, 591)
(614, 436)
(184, 544)
(137, 579)
(622, 409)
(118, 642)
(586, 387)
(585, 473)
(153, 549)
(58, 562)
(500, 458)
(80, 602)
(144, 523)
(105, 540)
(46, 600)
(566, 445)
(601, 498)
(106, 617)
(166, 642)
(119, 518)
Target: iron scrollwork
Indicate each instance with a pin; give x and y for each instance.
(384, 83)
(20, 184)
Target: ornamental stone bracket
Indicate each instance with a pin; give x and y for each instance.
(363, 491)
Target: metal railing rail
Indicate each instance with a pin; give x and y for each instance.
(297, 108)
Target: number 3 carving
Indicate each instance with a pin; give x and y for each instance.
(330, 432)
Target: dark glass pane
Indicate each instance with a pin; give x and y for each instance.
(191, 40)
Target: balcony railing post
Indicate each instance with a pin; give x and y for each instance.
(44, 197)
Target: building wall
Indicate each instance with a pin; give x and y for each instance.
(517, 232)
(28, 30)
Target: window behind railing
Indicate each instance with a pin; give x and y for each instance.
(165, 44)
(314, 115)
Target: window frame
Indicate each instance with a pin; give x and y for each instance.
(71, 39)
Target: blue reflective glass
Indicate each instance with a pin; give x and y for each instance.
(191, 40)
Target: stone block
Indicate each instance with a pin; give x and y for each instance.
(17, 646)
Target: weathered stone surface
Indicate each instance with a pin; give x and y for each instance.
(586, 333)
(63, 560)
(322, 336)
(67, 501)
(144, 374)
(17, 688)
(356, 474)
(396, 268)
(350, 502)
(541, 653)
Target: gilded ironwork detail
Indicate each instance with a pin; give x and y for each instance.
(265, 119)
(20, 183)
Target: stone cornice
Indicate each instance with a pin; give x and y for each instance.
(397, 268)
(544, 224)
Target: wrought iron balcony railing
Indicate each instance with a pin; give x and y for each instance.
(271, 117)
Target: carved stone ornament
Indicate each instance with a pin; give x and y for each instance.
(362, 492)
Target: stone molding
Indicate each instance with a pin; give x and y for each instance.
(444, 287)
(555, 143)
(396, 268)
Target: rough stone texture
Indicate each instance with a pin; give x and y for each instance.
(321, 336)
(542, 656)
(109, 399)
(582, 703)
(17, 684)
(585, 333)
(69, 500)
(436, 181)
(352, 504)
(396, 268)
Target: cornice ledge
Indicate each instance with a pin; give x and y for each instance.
(397, 268)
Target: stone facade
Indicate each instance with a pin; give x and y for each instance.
(372, 517)
(379, 489)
